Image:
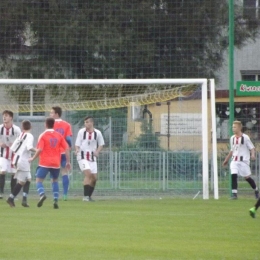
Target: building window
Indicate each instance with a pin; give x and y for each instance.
(251, 8)
(250, 75)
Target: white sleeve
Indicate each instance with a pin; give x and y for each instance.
(30, 140)
(100, 139)
(79, 139)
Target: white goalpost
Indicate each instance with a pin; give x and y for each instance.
(214, 138)
(204, 111)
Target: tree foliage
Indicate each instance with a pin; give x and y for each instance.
(147, 140)
(116, 38)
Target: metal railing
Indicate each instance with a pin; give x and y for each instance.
(148, 171)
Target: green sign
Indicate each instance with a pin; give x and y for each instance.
(248, 88)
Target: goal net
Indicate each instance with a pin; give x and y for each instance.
(156, 130)
(40, 98)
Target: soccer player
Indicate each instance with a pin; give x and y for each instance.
(64, 128)
(88, 145)
(8, 133)
(241, 150)
(49, 147)
(21, 148)
(253, 210)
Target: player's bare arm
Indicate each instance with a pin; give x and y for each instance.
(37, 153)
(252, 154)
(33, 150)
(67, 154)
(3, 145)
(77, 149)
(227, 158)
(96, 153)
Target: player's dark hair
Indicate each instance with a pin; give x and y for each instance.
(8, 112)
(26, 125)
(57, 110)
(89, 117)
(49, 122)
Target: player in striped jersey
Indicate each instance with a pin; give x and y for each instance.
(21, 148)
(8, 133)
(242, 150)
(88, 145)
(64, 128)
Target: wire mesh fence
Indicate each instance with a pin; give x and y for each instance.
(131, 173)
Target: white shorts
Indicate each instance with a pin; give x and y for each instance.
(87, 165)
(23, 176)
(240, 168)
(23, 165)
(5, 166)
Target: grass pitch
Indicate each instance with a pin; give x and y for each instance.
(166, 228)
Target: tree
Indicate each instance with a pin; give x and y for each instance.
(147, 140)
(119, 39)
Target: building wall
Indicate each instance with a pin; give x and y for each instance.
(172, 142)
(246, 58)
(186, 142)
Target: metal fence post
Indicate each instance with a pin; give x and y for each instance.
(257, 169)
(72, 169)
(163, 172)
(115, 172)
(110, 153)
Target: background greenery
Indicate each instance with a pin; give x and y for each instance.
(118, 39)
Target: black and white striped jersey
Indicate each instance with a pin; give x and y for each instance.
(8, 136)
(240, 147)
(88, 143)
(21, 151)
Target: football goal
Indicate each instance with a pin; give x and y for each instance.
(173, 114)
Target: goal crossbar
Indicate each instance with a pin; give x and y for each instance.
(100, 81)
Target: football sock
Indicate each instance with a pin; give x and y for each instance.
(91, 190)
(2, 183)
(257, 205)
(251, 182)
(26, 188)
(17, 189)
(234, 183)
(65, 182)
(40, 188)
(87, 190)
(55, 190)
(13, 183)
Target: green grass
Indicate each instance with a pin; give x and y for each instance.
(167, 228)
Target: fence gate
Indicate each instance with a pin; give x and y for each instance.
(140, 170)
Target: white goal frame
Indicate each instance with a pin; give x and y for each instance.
(202, 82)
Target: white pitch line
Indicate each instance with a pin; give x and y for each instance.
(196, 195)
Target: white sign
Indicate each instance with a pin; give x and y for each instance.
(182, 124)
